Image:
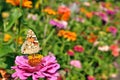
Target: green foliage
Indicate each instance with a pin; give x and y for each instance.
(94, 62)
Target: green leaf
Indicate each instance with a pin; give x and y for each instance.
(4, 50)
(3, 65)
(14, 16)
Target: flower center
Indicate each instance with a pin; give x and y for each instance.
(34, 59)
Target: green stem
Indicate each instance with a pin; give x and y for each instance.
(62, 47)
(46, 26)
(19, 25)
(18, 34)
(20, 4)
(49, 36)
(45, 30)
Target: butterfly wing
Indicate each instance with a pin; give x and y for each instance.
(31, 45)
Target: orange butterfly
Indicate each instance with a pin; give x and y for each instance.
(31, 45)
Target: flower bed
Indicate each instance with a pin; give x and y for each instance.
(59, 40)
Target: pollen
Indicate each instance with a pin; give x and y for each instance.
(34, 59)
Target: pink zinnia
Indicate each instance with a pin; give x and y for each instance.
(70, 52)
(102, 15)
(63, 9)
(115, 53)
(110, 12)
(32, 16)
(114, 47)
(58, 24)
(76, 63)
(47, 68)
(115, 50)
(113, 30)
(90, 78)
(79, 19)
(78, 48)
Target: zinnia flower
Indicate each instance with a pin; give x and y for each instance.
(58, 24)
(36, 66)
(5, 14)
(76, 63)
(103, 48)
(64, 13)
(67, 34)
(4, 75)
(7, 37)
(61, 33)
(62, 74)
(103, 16)
(115, 53)
(96, 43)
(110, 12)
(79, 19)
(89, 14)
(83, 10)
(92, 38)
(90, 78)
(114, 47)
(78, 48)
(112, 29)
(86, 3)
(105, 5)
(25, 3)
(32, 16)
(113, 75)
(19, 40)
(59, 77)
(115, 50)
(70, 52)
(49, 11)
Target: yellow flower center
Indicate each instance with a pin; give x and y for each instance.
(34, 59)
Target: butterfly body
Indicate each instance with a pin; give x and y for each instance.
(31, 45)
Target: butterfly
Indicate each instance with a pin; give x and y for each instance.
(31, 44)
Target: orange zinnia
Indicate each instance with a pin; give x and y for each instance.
(61, 33)
(67, 34)
(19, 40)
(7, 37)
(65, 16)
(107, 5)
(83, 10)
(25, 3)
(89, 14)
(92, 38)
(49, 11)
(64, 13)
